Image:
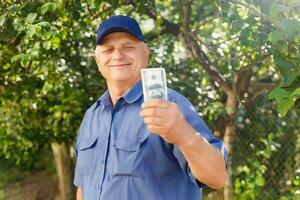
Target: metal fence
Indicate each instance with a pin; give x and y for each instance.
(266, 152)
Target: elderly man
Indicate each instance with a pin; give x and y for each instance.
(130, 150)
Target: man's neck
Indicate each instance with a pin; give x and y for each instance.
(117, 90)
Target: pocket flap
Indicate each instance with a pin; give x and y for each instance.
(86, 142)
(129, 144)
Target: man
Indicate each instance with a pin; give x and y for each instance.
(130, 150)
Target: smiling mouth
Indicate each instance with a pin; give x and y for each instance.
(120, 65)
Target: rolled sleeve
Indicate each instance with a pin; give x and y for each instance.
(221, 147)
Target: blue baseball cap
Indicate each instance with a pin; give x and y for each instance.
(119, 23)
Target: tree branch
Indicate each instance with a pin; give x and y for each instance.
(187, 7)
(257, 13)
(203, 59)
(259, 88)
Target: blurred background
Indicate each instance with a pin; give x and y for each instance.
(237, 61)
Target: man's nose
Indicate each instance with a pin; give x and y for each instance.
(117, 54)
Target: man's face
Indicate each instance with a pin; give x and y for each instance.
(120, 58)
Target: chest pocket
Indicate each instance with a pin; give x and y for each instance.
(85, 154)
(129, 156)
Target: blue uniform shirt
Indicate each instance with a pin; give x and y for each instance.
(118, 158)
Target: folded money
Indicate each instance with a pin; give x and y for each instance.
(154, 83)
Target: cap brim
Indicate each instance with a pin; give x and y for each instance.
(116, 29)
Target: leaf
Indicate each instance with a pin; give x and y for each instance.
(284, 105)
(245, 33)
(278, 93)
(276, 36)
(51, 7)
(284, 65)
(296, 182)
(248, 195)
(31, 31)
(19, 57)
(236, 26)
(291, 27)
(90, 2)
(55, 42)
(47, 45)
(30, 18)
(47, 35)
(25, 63)
(260, 181)
(44, 24)
(289, 78)
(251, 20)
(296, 92)
(275, 9)
(2, 20)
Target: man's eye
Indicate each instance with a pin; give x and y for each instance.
(128, 47)
(107, 51)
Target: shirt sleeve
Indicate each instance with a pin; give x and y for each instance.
(77, 176)
(78, 179)
(198, 124)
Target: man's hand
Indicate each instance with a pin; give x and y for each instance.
(165, 119)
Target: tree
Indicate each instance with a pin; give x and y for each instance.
(48, 77)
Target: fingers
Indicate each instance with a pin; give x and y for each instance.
(155, 129)
(156, 103)
(152, 112)
(157, 108)
(153, 121)
(160, 116)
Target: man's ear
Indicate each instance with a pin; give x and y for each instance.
(147, 49)
(95, 55)
(96, 60)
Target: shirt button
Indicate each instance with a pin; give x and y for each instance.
(102, 161)
(97, 186)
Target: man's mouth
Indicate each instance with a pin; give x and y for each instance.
(120, 65)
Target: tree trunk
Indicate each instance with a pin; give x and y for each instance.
(64, 170)
(231, 106)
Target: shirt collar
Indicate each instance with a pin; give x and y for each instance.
(104, 99)
(134, 93)
(131, 96)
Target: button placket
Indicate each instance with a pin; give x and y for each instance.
(103, 161)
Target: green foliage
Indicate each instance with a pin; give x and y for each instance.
(283, 98)
(284, 40)
(250, 178)
(270, 38)
(261, 154)
(48, 76)
(293, 190)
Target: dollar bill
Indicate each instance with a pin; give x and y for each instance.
(154, 84)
